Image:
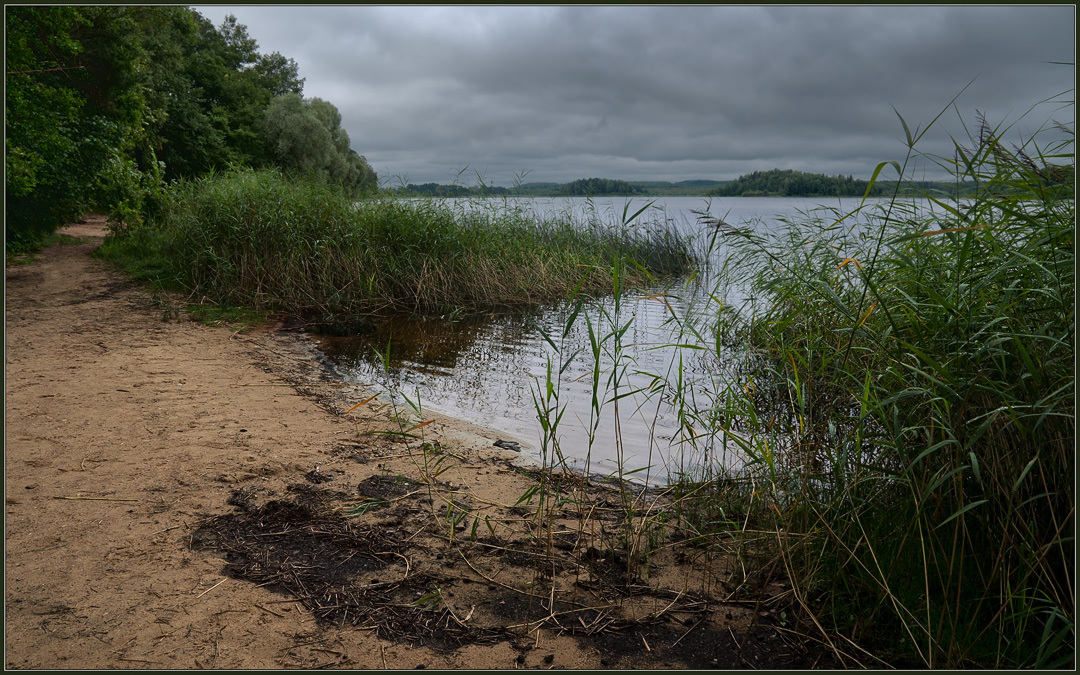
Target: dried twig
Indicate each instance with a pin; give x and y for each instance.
(270, 611)
(212, 587)
(99, 499)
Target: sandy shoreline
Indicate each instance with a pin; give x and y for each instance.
(128, 428)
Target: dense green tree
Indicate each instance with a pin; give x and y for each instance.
(438, 190)
(105, 105)
(278, 75)
(305, 137)
(208, 88)
(179, 127)
(232, 84)
(74, 110)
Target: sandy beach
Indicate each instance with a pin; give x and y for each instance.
(181, 496)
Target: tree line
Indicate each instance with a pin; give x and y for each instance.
(584, 187)
(789, 183)
(105, 106)
(775, 183)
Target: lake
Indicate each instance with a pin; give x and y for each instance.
(492, 370)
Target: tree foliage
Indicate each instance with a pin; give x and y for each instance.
(106, 105)
(453, 190)
(654, 188)
(74, 112)
(305, 136)
(587, 187)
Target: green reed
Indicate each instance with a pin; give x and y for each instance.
(900, 388)
(257, 239)
(906, 393)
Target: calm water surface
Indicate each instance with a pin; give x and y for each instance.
(492, 370)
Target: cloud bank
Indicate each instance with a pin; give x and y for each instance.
(666, 92)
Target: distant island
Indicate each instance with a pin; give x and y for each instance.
(772, 183)
(788, 183)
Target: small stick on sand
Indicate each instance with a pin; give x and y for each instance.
(269, 610)
(100, 499)
(212, 587)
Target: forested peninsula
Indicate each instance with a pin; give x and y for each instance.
(789, 183)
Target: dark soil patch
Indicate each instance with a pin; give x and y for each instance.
(663, 645)
(317, 476)
(387, 487)
(515, 608)
(306, 550)
(315, 498)
(352, 567)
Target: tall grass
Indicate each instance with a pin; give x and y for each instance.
(907, 395)
(901, 384)
(253, 238)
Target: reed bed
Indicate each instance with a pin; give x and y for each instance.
(906, 396)
(260, 240)
(901, 382)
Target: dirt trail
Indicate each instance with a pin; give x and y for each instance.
(128, 427)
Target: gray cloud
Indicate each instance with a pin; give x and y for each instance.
(664, 92)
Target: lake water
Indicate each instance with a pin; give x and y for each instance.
(493, 370)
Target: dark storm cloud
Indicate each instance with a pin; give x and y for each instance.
(662, 92)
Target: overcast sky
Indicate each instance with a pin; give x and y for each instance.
(663, 92)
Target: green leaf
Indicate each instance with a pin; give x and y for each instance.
(962, 512)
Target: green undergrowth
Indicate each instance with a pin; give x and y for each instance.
(237, 318)
(256, 239)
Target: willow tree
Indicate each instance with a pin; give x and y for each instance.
(304, 136)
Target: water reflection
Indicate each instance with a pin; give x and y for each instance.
(492, 370)
(477, 364)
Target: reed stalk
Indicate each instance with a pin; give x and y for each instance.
(907, 396)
